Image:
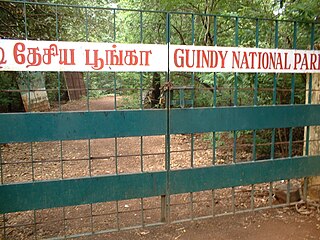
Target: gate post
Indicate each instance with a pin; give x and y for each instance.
(313, 183)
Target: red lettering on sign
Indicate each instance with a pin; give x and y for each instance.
(2, 57)
(66, 57)
(34, 56)
(115, 57)
(50, 52)
(18, 55)
(199, 58)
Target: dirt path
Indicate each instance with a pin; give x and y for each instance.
(280, 224)
(68, 159)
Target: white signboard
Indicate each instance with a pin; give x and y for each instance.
(19, 55)
(25, 55)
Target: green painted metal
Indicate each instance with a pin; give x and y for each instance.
(35, 127)
(49, 194)
(240, 174)
(293, 78)
(214, 102)
(38, 127)
(236, 42)
(255, 95)
(255, 98)
(242, 118)
(68, 192)
(309, 90)
(165, 198)
(274, 92)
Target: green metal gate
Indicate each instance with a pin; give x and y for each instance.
(209, 158)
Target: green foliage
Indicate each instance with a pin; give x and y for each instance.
(50, 22)
(9, 101)
(305, 10)
(130, 102)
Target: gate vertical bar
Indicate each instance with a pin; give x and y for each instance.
(309, 102)
(310, 87)
(274, 102)
(58, 73)
(141, 108)
(235, 102)
(115, 109)
(59, 101)
(33, 179)
(235, 99)
(60, 110)
(255, 103)
(192, 105)
(214, 104)
(25, 20)
(168, 140)
(274, 92)
(29, 109)
(2, 182)
(165, 199)
(87, 73)
(88, 109)
(293, 77)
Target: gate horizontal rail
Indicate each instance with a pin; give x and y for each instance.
(37, 127)
(50, 194)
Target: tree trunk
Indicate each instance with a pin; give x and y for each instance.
(156, 89)
(152, 98)
(313, 183)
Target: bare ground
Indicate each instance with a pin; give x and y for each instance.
(68, 159)
(280, 224)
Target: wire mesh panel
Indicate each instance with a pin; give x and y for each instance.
(139, 149)
(239, 146)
